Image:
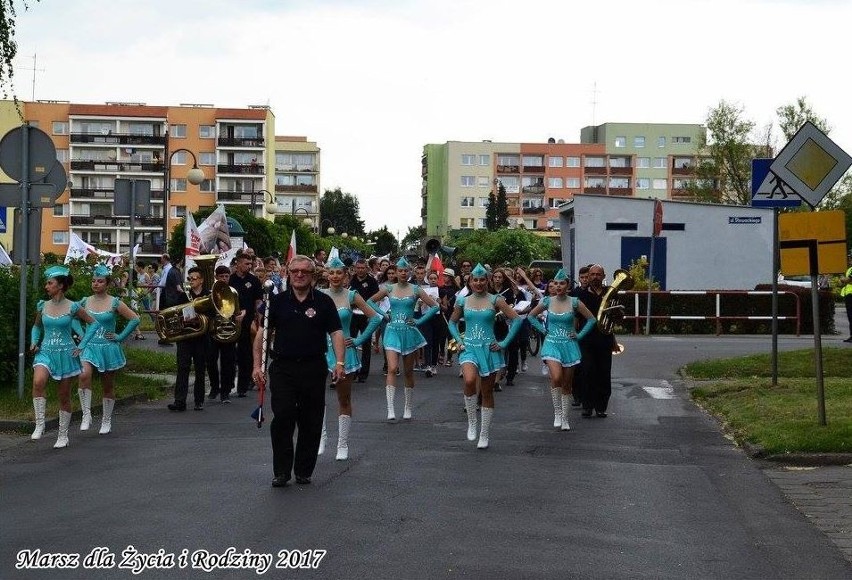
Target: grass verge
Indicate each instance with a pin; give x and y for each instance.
(785, 418)
(128, 383)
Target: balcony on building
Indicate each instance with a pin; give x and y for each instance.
(240, 168)
(514, 210)
(533, 163)
(236, 196)
(109, 221)
(620, 165)
(241, 135)
(623, 191)
(534, 210)
(296, 188)
(116, 165)
(683, 165)
(595, 165)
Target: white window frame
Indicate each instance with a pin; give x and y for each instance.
(572, 162)
(639, 141)
(620, 142)
(483, 202)
(178, 184)
(468, 181)
(207, 158)
(643, 163)
(483, 181)
(572, 183)
(661, 141)
(467, 201)
(484, 160)
(207, 131)
(643, 183)
(660, 162)
(660, 184)
(178, 158)
(554, 183)
(177, 131)
(59, 127)
(468, 159)
(467, 223)
(60, 238)
(555, 161)
(177, 211)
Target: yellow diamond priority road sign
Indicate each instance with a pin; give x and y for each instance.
(811, 163)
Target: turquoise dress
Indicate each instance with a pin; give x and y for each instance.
(400, 336)
(102, 353)
(54, 353)
(351, 359)
(558, 344)
(478, 337)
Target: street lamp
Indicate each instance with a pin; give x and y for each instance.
(271, 206)
(330, 231)
(193, 176)
(307, 221)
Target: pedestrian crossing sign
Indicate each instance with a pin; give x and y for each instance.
(768, 190)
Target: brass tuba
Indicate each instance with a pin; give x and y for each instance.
(214, 311)
(610, 310)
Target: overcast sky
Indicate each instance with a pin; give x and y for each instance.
(372, 81)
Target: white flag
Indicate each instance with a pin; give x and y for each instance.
(77, 248)
(225, 258)
(5, 259)
(136, 249)
(214, 232)
(192, 246)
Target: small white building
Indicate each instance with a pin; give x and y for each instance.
(702, 246)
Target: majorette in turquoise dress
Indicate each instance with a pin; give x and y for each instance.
(55, 349)
(351, 359)
(104, 354)
(478, 337)
(400, 336)
(559, 345)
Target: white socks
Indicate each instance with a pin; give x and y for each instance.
(556, 397)
(86, 407)
(390, 392)
(470, 407)
(485, 428)
(343, 424)
(106, 420)
(566, 405)
(64, 424)
(39, 405)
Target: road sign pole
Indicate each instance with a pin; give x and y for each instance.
(23, 252)
(776, 267)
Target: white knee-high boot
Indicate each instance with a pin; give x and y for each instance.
(566, 406)
(556, 397)
(39, 405)
(324, 436)
(64, 424)
(409, 395)
(390, 393)
(485, 428)
(106, 420)
(343, 424)
(470, 407)
(86, 407)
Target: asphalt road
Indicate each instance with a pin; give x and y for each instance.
(654, 490)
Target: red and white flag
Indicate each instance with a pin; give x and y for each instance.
(291, 251)
(434, 263)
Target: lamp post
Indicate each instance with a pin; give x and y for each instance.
(193, 176)
(270, 206)
(308, 222)
(330, 231)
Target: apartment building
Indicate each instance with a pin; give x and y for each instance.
(662, 157)
(618, 159)
(297, 171)
(234, 147)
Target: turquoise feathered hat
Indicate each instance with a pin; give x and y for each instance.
(101, 271)
(403, 263)
(479, 271)
(335, 264)
(560, 275)
(55, 271)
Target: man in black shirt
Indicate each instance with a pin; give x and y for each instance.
(299, 320)
(191, 352)
(366, 286)
(250, 291)
(597, 348)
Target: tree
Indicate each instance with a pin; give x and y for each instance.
(491, 213)
(414, 237)
(514, 247)
(502, 214)
(792, 117)
(724, 175)
(385, 242)
(8, 46)
(343, 211)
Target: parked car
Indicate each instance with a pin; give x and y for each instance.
(800, 281)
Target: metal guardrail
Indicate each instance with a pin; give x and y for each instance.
(717, 315)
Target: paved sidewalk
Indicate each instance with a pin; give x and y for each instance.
(823, 495)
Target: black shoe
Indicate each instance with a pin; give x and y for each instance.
(213, 395)
(177, 407)
(332, 385)
(241, 395)
(199, 407)
(510, 383)
(361, 379)
(601, 414)
(226, 400)
(280, 481)
(497, 387)
(303, 480)
(587, 413)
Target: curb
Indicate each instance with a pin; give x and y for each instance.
(53, 423)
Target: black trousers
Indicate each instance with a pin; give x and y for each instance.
(359, 324)
(847, 300)
(517, 348)
(225, 355)
(245, 357)
(297, 387)
(191, 353)
(595, 372)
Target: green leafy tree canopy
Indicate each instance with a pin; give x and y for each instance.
(342, 211)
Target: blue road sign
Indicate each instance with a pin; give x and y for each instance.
(3, 229)
(768, 190)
